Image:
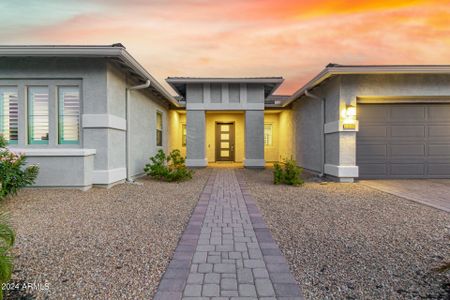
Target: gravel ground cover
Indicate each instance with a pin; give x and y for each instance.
(348, 241)
(100, 244)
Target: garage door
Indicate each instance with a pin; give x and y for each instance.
(403, 141)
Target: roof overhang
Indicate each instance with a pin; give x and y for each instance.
(270, 83)
(116, 52)
(334, 70)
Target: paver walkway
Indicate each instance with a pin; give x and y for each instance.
(227, 251)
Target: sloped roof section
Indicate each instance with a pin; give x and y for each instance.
(116, 52)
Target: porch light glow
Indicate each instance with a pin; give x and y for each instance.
(349, 117)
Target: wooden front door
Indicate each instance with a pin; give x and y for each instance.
(224, 141)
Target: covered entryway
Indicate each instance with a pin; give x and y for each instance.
(404, 140)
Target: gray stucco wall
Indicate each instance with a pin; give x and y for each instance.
(254, 135)
(195, 132)
(143, 108)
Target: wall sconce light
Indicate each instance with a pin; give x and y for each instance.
(349, 117)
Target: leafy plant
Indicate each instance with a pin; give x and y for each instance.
(7, 238)
(13, 173)
(287, 172)
(168, 168)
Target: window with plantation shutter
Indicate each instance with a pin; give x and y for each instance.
(9, 114)
(159, 128)
(38, 115)
(68, 114)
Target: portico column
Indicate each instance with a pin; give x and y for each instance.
(196, 138)
(254, 139)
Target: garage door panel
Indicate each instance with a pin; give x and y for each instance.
(374, 114)
(407, 131)
(407, 169)
(374, 131)
(409, 141)
(439, 131)
(438, 169)
(410, 114)
(439, 150)
(373, 169)
(407, 150)
(438, 113)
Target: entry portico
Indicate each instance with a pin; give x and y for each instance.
(224, 118)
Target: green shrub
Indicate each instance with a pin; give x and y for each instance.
(168, 168)
(287, 172)
(13, 173)
(7, 238)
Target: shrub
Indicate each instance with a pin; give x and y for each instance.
(7, 238)
(13, 173)
(168, 168)
(287, 172)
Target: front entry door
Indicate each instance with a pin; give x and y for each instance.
(224, 142)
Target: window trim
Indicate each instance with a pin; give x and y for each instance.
(158, 112)
(60, 112)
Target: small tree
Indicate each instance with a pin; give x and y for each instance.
(13, 173)
(287, 172)
(168, 168)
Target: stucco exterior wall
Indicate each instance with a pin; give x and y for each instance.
(254, 138)
(239, 132)
(196, 138)
(287, 138)
(143, 107)
(176, 121)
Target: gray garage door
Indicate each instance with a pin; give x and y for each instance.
(403, 141)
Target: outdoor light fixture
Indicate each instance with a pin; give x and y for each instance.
(349, 117)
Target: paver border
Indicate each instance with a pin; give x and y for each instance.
(284, 284)
(175, 277)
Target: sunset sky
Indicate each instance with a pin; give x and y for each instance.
(293, 39)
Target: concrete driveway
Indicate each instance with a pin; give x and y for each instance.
(431, 192)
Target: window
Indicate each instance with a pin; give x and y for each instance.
(68, 114)
(9, 114)
(38, 115)
(159, 128)
(183, 135)
(268, 138)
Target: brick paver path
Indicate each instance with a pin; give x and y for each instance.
(226, 251)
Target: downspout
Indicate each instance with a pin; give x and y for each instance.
(322, 142)
(127, 120)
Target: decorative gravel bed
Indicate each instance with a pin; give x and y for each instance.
(348, 241)
(104, 243)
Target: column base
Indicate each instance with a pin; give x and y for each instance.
(197, 163)
(254, 163)
(342, 171)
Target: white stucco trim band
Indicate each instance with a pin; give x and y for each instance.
(36, 152)
(254, 163)
(104, 121)
(197, 162)
(108, 176)
(341, 171)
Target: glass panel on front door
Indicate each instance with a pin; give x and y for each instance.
(225, 142)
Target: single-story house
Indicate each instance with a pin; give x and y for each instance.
(92, 115)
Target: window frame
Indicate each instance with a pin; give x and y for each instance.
(30, 120)
(60, 121)
(183, 135)
(159, 131)
(2, 115)
(271, 135)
